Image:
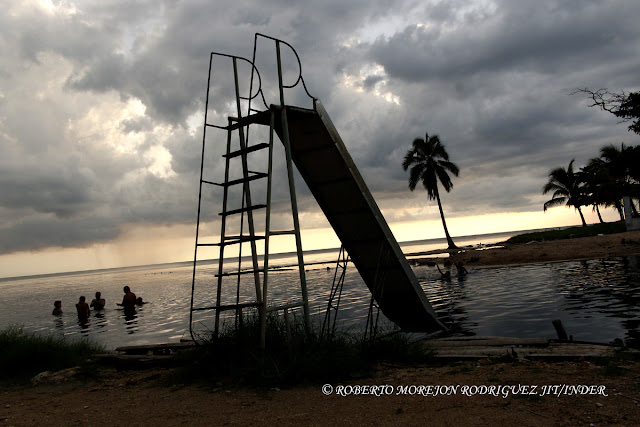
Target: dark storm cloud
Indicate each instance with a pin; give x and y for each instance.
(39, 232)
(548, 37)
(491, 78)
(495, 85)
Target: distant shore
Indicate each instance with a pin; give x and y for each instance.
(603, 246)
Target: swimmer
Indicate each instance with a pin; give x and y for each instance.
(461, 270)
(128, 301)
(444, 275)
(139, 301)
(98, 303)
(83, 310)
(57, 310)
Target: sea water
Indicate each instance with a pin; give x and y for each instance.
(597, 300)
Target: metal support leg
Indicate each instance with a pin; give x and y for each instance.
(296, 221)
(371, 328)
(329, 325)
(265, 266)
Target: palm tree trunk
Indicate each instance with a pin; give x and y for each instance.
(598, 211)
(618, 206)
(444, 224)
(584, 223)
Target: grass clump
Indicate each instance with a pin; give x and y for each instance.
(289, 358)
(24, 354)
(569, 233)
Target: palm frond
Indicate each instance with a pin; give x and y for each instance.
(414, 176)
(554, 202)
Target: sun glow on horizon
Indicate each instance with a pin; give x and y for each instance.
(146, 244)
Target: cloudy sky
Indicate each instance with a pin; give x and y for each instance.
(102, 103)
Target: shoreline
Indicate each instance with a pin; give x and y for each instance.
(501, 254)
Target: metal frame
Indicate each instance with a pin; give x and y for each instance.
(333, 304)
(241, 125)
(371, 328)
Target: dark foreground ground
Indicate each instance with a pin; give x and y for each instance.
(144, 397)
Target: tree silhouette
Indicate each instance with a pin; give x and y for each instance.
(625, 106)
(429, 162)
(600, 187)
(566, 188)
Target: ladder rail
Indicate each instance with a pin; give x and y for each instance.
(246, 185)
(195, 255)
(242, 126)
(223, 227)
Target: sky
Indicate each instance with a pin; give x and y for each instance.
(102, 110)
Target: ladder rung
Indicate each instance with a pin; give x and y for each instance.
(241, 239)
(258, 175)
(246, 150)
(239, 273)
(234, 240)
(229, 306)
(261, 118)
(285, 306)
(281, 232)
(245, 209)
(244, 238)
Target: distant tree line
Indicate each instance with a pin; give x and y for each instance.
(603, 182)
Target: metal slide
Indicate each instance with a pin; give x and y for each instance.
(323, 161)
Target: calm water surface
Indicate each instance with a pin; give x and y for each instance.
(596, 300)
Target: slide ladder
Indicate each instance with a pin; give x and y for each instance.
(313, 144)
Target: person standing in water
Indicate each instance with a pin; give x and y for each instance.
(128, 301)
(57, 308)
(98, 303)
(83, 310)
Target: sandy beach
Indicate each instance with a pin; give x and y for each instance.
(144, 397)
(610, 245)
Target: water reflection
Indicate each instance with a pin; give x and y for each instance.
(130, 321)
(447, 297)
(597, 300)
(603, 288)
(58, 323)
(84, 324)
(100, 320)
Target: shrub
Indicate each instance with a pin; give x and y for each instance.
(305, 357)
(24, 354)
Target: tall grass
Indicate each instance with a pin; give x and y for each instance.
(24, 354)
(291, 358)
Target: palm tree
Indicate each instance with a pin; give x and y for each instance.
(566, 188)
(623, 168)
(600, 187)
(429, 162)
